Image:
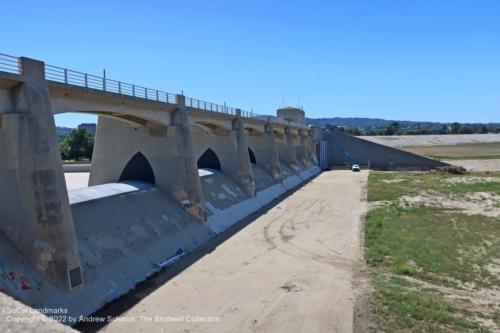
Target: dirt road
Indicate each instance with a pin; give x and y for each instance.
(290, 270)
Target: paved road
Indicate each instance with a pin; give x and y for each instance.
(293, 269)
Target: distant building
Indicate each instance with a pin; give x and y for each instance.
(90, 127)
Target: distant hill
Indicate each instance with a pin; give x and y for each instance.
(365, 122)
(370, 125)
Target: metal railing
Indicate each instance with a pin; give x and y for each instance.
(207, 106)
(9, 64)
(75, 78)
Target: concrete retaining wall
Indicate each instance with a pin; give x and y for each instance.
(344, 150)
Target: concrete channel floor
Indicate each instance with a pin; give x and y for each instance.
(76, 180)
(292, 269)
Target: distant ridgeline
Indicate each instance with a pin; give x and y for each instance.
(376, 126)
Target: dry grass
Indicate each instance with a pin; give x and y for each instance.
(489, 150)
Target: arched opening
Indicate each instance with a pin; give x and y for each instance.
(138, 168)
(252, 156)
(209, 160)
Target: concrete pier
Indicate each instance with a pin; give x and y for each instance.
(291, 154)
(244, 174)
(34, 208)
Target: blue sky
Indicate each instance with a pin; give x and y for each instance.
(405, 60)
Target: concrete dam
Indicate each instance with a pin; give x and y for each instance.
(168, 173)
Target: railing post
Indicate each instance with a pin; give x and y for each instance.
(86, 81)
(119, 87)
(133, 90)
(146, 93)
(104, 80)
(157, 95)
(65, 76)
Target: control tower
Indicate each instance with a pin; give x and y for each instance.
(292, 114)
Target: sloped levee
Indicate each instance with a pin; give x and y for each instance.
(345, 150)
(125, 233)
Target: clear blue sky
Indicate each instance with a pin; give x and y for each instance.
(406, 60)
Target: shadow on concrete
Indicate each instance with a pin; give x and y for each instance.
(119, 306)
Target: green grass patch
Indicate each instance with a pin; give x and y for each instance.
(440, 247)
(418, 311)
(428, 245)
(391, 186)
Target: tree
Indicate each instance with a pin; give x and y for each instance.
(353, 131)
(466, 130)
(392, 129)
(78, 144)
(484, 129)
(455, 128)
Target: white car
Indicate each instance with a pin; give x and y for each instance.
(355, 168)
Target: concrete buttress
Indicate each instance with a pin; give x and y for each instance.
(244, 174)
(35, 213)
(290, 149)
(190, 194)
(272, 152)
(303, 150)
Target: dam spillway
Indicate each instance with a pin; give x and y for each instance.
(168, 173)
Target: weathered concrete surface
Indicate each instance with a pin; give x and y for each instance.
(16, 317)
(169, 153)
(373, 154)
(227, 203)
(123, 238)
(34, 208)
(76, 180)
(291, 270)
(244, 174)
(264, 146)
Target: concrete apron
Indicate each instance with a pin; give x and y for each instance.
(220, 220)
(130, 233)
